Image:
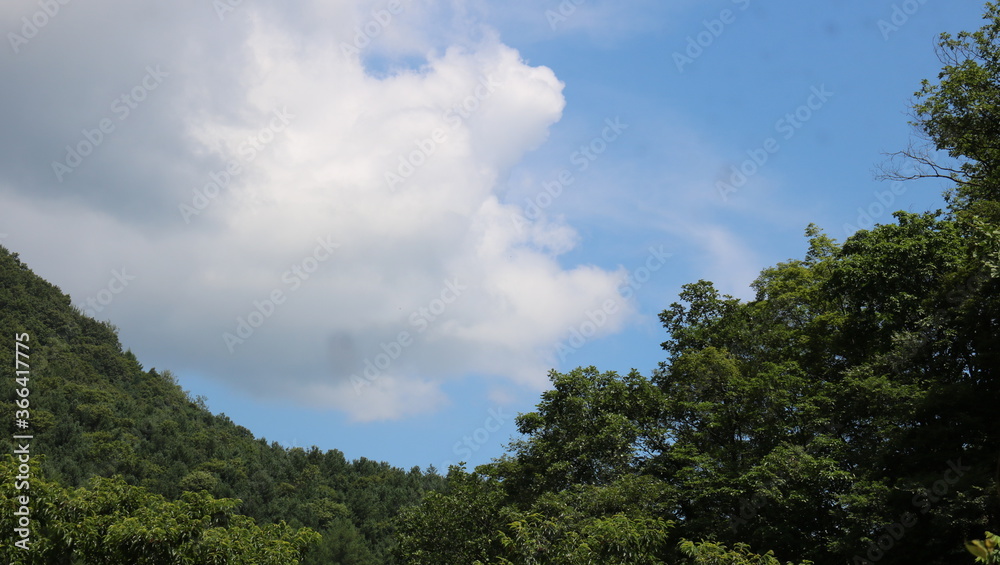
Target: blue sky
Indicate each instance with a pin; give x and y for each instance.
(269, 200)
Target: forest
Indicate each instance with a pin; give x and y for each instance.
(847, 414)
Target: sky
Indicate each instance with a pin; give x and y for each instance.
(376, 226)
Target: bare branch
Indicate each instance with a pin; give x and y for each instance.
(917, 163)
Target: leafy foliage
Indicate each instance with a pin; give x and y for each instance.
(708, 553)
(113, 523)
(845, 414)
(610, 524)
(961, 113)
(985, 550)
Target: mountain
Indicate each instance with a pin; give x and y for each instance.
(93, 411)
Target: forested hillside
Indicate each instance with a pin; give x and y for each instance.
(96, 412)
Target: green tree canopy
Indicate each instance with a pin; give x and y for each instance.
(113, 523)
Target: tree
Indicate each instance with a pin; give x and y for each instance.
(460, 526)
(832, 418)
(592, 428)
(112, 523)
(474, 522)
(708, 553)
(960, 115)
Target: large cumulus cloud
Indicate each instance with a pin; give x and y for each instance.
(297, 218)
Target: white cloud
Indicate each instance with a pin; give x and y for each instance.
(311, 137)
